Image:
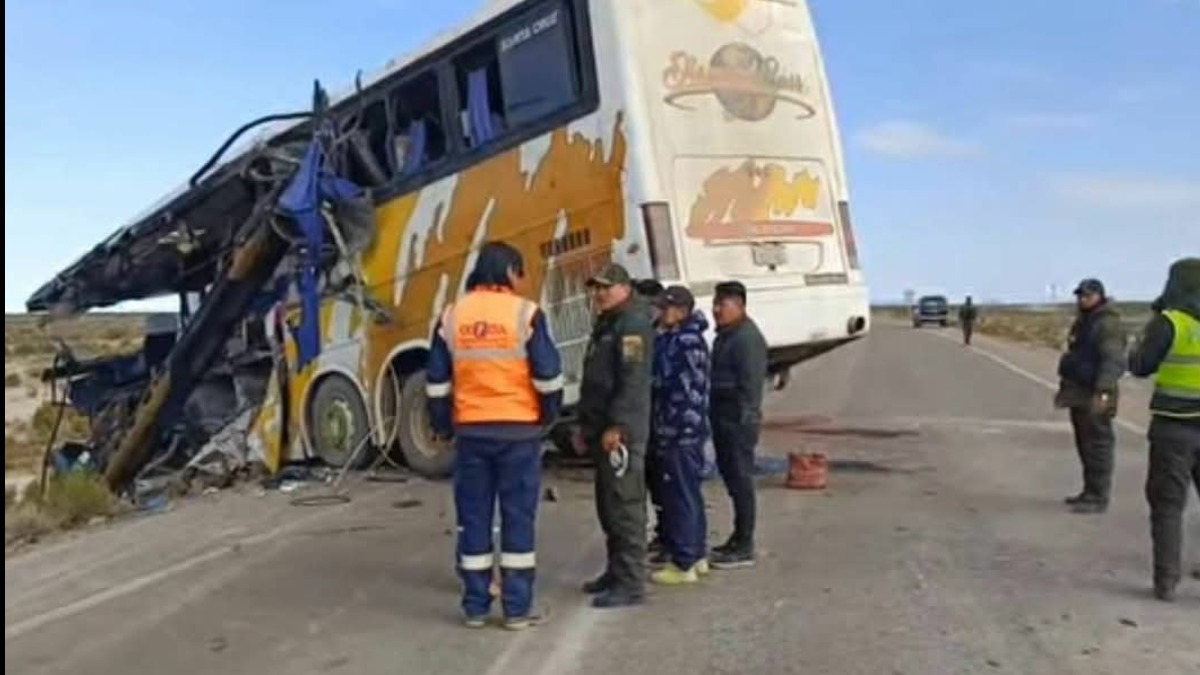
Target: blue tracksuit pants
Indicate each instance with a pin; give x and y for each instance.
(487, 469)
(685, 526)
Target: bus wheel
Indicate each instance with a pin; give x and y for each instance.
(423, 455)
(338, 425)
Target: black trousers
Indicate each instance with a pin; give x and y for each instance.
(621, 510)
(735, 444)
(1174, 471)
(968, 329)
(1094, 440)
(654, 487)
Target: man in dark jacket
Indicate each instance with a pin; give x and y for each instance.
(650, 289)
(678, 431)
(967, 314)
(739, 373)
(1170, 350)
(1088, 372)
(614, 416)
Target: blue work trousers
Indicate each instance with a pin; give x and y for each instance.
(680, 469)
(487, 469)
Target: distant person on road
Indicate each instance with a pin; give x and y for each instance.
(494, 381)
(1088, 374)
(739, 374)
(679, 429)
(967, 314)
(1170, 351)
(614, 414)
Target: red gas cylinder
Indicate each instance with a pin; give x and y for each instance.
(807, 471)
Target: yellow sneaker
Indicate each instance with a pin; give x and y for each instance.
(673, 576)
(702, 567)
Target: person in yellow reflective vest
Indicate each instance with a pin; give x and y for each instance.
(494, 382)
(1170, 351)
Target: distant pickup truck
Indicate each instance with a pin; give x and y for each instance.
(931, 309)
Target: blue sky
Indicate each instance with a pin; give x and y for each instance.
(994, 148)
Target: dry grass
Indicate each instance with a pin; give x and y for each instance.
(24, 442)
(1042, 326)
(1048, 329)
(71, 500)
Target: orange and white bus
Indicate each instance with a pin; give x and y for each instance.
(692, 141)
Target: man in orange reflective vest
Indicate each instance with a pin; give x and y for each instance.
(494, 381)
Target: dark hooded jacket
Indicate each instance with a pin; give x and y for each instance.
(680, 400)
(1095, 358)
(1182, 293)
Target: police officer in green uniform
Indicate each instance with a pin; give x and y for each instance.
(1170, 351)
(614, 416)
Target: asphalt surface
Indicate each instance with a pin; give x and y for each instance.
(941, 546)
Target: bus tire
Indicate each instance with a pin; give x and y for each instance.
(338, 424)
(415, 434)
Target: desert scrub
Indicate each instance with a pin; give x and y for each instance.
(1047, 329)
(71, 500)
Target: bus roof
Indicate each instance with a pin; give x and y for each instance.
(145, 223)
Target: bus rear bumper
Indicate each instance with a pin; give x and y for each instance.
(802, 323)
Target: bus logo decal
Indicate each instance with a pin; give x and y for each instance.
(733, 11)
(755, 201)
(747, 84)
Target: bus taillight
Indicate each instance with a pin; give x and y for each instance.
(656, 217)
(848, 234)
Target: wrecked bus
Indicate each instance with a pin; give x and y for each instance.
(692, 141)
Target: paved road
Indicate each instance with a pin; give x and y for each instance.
(940, 547)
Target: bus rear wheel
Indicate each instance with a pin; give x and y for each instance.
(338, 425)
(424, 455)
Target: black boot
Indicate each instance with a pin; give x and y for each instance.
(600, 584)
(1165, 590)
(1090, 506)
(617, 597)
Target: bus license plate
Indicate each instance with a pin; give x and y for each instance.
(769, 255)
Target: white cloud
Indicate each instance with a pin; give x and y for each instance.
(1125, 191)
(1050, 121)
(903, 138)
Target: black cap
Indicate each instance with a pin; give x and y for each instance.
(676, 296)
(731, 289)
(650, 288)
(612, 275)
(1090, 286)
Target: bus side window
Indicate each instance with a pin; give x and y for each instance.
(369, 163)
(537, 65)
(419, 139)
(479, 93)
(522, 75)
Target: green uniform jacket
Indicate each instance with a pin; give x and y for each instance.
(615, 390)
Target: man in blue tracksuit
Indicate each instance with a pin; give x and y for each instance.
(494, 381)
(679, 429)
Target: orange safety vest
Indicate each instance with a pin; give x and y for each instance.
(492, 382)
